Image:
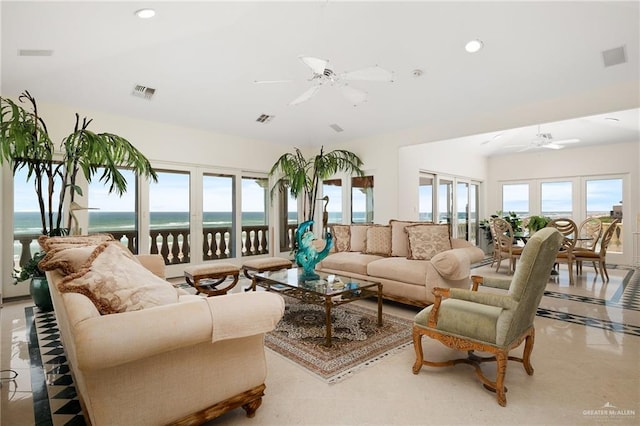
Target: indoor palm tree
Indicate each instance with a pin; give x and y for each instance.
(303, 175)
(25, 143)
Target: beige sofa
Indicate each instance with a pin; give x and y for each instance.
(408, 258)
(169, 357)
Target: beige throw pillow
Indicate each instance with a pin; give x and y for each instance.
(378, 240)
(115, 282)
(49, 243)
(341, 237)
(399, 239)
(427, 240)
(358, 236)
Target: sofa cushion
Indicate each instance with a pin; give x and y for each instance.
(341, 237)
(399, 238)
(427, 240)
(352, 262)
(378, 240)
(452, 264)
(67, 259)
(115, 282)
(399, 269)
(358, 237)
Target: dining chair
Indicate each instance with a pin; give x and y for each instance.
(504, 241)
(600, 256)
(589, 233)
(493, 322)
(569, 231)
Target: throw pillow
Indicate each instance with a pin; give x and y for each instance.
(115, 282)
(358, 236)
(378, 240)
(399, 239)
(341, 237)
(67, 260)
(427, 240)
(49, 243)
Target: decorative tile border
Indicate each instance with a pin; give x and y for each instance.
(616, 327)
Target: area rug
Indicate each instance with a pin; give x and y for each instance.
(357, 340)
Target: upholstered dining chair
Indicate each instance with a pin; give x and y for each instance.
(569, 230)
(469, 320)
(504, 243)
(589, 233)
(600, 256)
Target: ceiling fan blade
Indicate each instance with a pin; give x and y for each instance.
(355, 96)
(271, 81)
(563, 141)
(369, 74)
(526, 148)
(317, 65)
(308, 94)
(552, 145)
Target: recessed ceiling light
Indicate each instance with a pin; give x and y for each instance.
(473, 46)
(145, 13)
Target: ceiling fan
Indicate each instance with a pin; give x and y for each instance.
(323, 76)
(544, 140)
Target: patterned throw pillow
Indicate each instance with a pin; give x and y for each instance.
(50, 243)
(115, 282)
(378, 240)
(427, 240)
(341, 237)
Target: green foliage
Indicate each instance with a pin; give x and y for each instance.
(30, 269)
(25, 143)
(536, 223)
(303, 175)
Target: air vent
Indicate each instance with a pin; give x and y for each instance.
(265, 118)
(336, 128)
(614, 56)
(143, 92)
(35, 52)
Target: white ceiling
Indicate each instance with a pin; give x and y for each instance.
(203, 58)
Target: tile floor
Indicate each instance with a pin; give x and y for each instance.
(586, 359)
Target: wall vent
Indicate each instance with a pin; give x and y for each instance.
(336, 127)
(35, 52)
(143, 92)
(614, 56)
(265, 118)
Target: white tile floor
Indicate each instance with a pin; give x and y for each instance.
(578, 370)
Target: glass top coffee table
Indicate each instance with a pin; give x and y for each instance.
(330, 290)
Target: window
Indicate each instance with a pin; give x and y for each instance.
(112, 213)
(218, 218)
(604, 200)
(288, 219)
(445, 201)
(556, 199)
(333, 189)
(515, 198)
(425, 198)
(362, 199)
(254, 215)
(169, 216)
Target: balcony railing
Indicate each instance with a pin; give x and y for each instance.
(174, 244)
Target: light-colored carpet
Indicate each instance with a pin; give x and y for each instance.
(357, 340)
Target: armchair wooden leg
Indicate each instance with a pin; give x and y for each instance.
(526, 355)
(501, 358)
(417, 345)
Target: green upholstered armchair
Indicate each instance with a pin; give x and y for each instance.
(469, 320)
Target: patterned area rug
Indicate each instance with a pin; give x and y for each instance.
(357, 340)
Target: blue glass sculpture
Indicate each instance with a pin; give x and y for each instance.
(307, 255)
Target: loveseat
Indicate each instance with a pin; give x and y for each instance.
(143, 352)
(408, 258)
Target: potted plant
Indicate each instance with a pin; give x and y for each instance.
(303, 176)
(25, 143)
(536, 223)
(38, 287)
